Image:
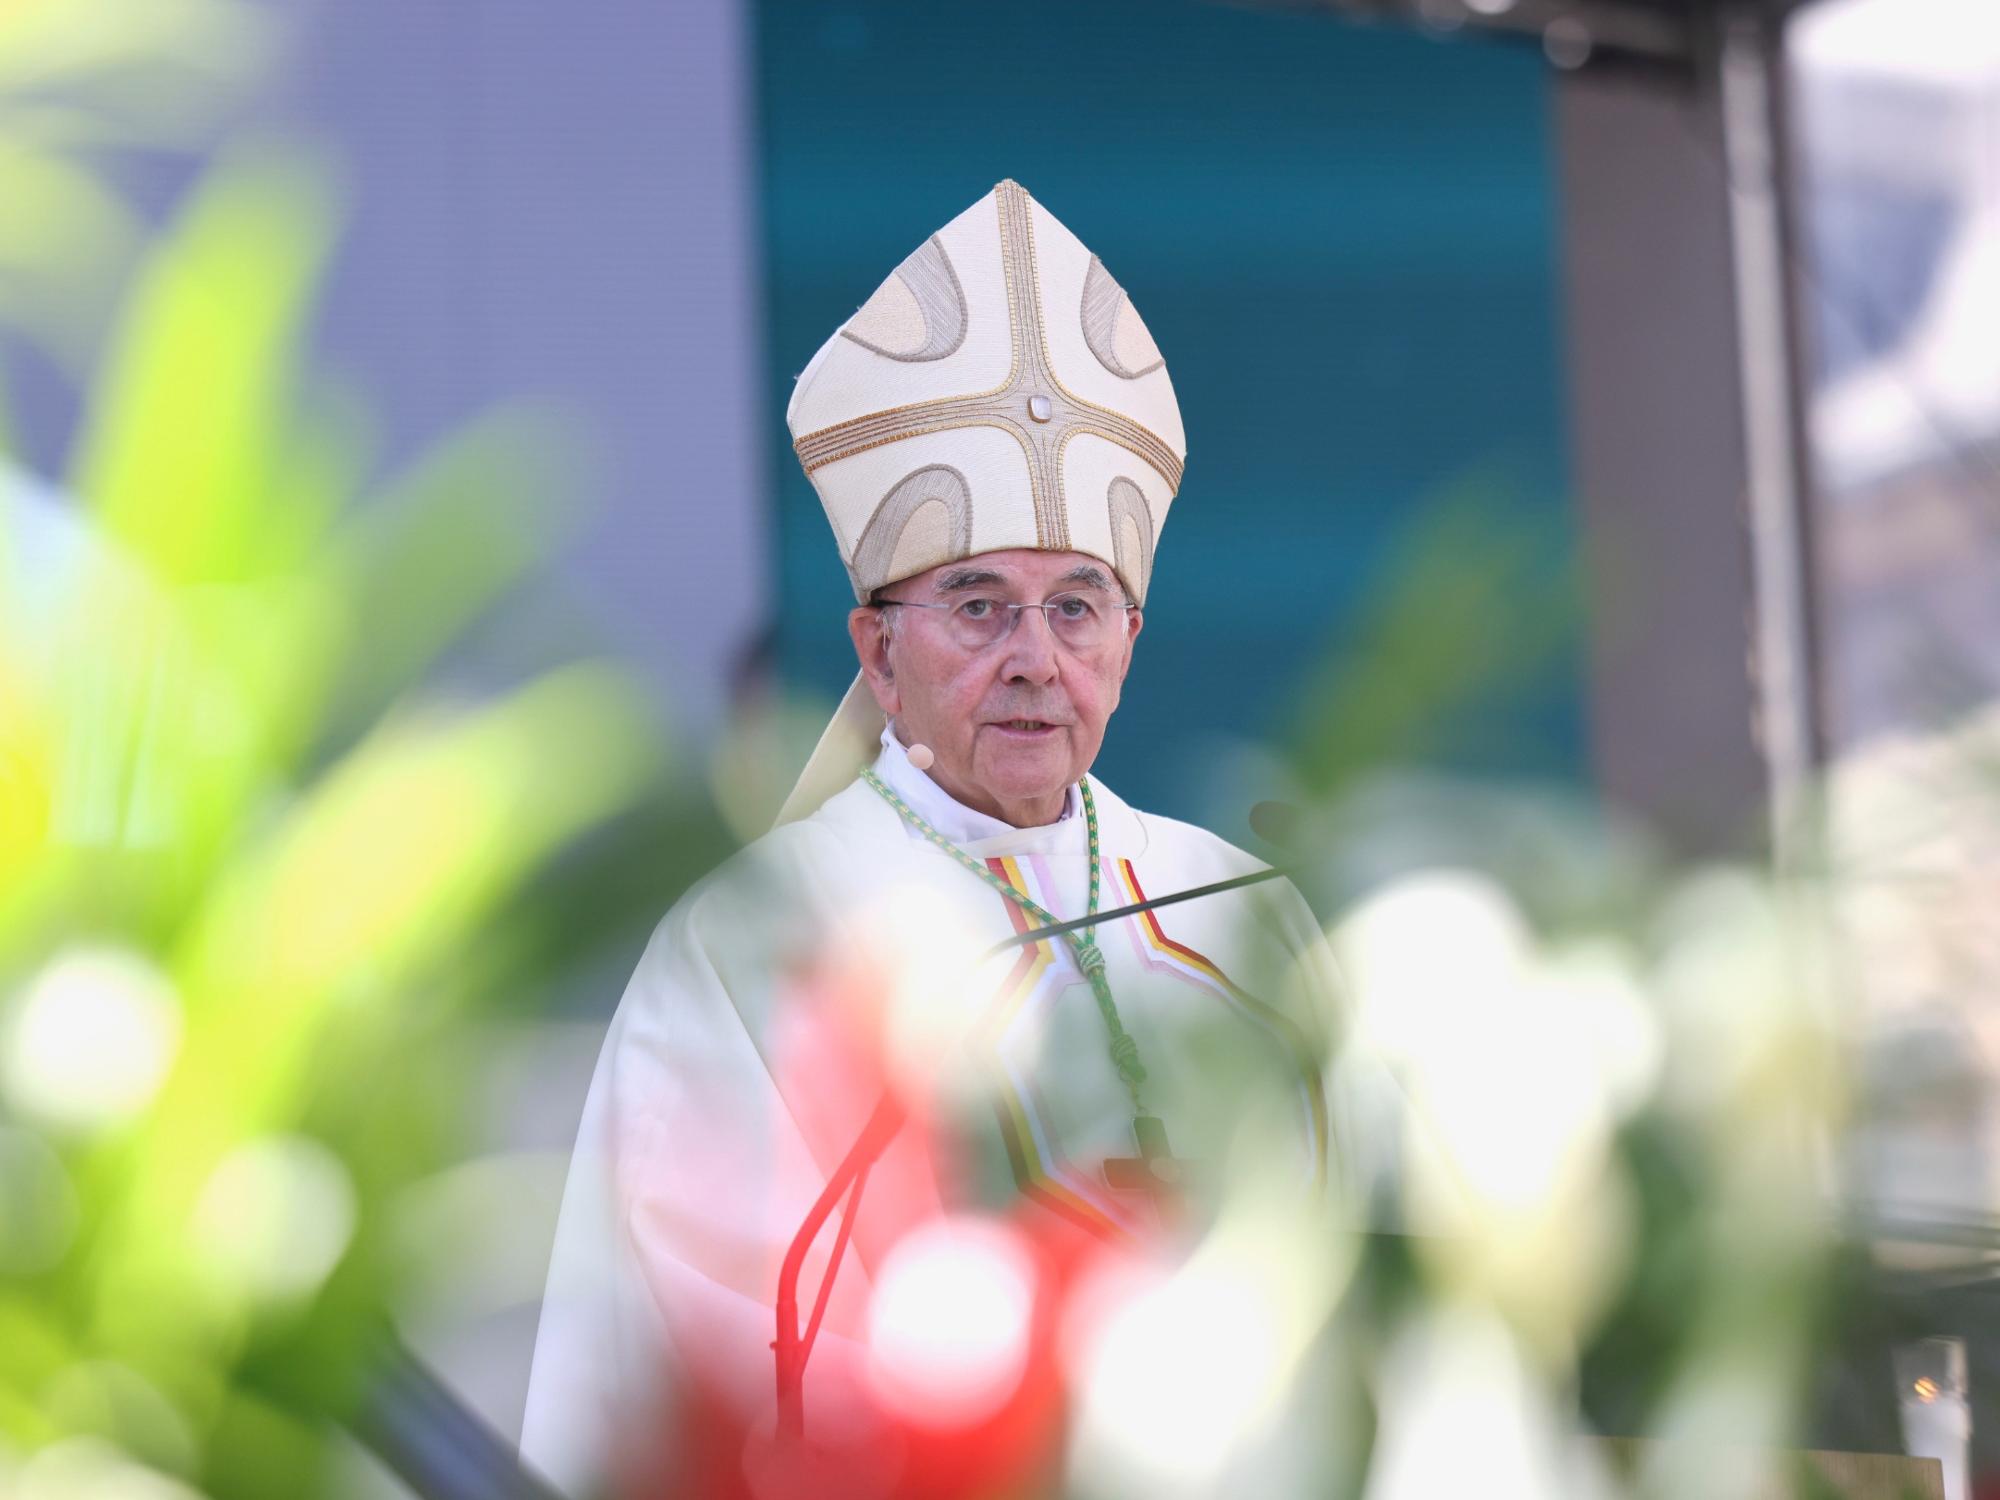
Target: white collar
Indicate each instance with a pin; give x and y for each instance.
(937, 807)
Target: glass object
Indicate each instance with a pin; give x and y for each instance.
(1936, 1408)
(1081, 621)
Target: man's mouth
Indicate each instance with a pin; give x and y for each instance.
(1025, 726)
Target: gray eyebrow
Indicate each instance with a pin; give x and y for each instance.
(965, 578)
(1089, 576)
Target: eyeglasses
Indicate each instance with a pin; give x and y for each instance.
(1080, 622)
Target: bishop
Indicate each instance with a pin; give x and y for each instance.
(997, 444)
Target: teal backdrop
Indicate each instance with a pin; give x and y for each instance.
(1343, 239)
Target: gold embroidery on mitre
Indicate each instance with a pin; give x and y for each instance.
(1131, 534)
(1030, 374)
(937, 493)
(1112, 327)
(925, 286)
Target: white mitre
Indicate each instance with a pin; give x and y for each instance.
(999, 390)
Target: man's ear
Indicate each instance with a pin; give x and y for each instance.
(1135, 620)
(867, 627)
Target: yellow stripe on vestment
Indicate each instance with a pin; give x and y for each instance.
(1280, 1025)
(1035, 1177)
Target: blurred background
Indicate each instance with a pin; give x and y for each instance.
(1592, 405)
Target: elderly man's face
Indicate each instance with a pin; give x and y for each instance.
(1012, 724)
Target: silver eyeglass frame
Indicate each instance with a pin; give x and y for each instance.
(1013, 610)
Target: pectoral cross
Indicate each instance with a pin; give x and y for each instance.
(1155, 1171)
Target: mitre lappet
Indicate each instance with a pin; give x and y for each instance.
(999, 390)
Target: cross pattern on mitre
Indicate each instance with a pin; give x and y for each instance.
(1031, 404)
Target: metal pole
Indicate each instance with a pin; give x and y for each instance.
(1748, 65)
(434, 1442)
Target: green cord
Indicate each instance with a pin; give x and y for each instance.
(1082, 942)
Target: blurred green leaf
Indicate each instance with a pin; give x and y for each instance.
(64, 242)
(183, 459)
(1473, 607)
(443, 542)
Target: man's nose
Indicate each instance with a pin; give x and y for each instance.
(1031, 648)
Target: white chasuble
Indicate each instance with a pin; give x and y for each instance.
(728, 1091)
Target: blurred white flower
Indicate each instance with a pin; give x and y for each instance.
(1725, 986)
(90, 1040)
(1180, 1373)
(1725, 1414)
(1753, 1062)
(937, 982)
(1177, 1373)
(1594, 989)
(1463, 1413)
(1422, 952)
(91, 1469)
(274, 1217)
(1515, 1071)
(948, 1322)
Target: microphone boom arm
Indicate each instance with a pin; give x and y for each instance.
(1057, 929)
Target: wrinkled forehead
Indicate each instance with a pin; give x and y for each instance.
(1017, 571)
